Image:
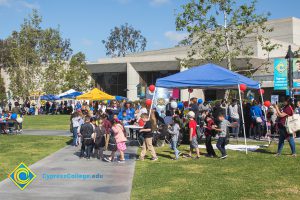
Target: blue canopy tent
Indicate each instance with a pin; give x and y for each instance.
(209, 76)
(72, 95)
(50, 97)
(120, 98)
(206, 76)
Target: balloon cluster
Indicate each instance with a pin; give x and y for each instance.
(151, 89)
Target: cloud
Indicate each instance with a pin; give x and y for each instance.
(175, 36)
(86, 42)
(159, 2)
(19, 4)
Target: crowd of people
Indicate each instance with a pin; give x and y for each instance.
(100, 126)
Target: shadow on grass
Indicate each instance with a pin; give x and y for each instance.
(265, 151)
(70, 141)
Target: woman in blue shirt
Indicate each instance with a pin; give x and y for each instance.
(257, 119)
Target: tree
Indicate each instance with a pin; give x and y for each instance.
(77, 77)
(123, 40)
(35, 58)
(222, 30)
(55, 51)
(23, 61)
(3, 55)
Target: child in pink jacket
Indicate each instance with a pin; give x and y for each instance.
(120, 137)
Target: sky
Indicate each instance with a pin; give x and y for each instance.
(87, 22)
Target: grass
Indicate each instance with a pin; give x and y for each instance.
(258, 175)
(27, 149)
(47, 122)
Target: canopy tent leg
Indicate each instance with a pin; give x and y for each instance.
(268, 131)
(243, 121)
(152, 101)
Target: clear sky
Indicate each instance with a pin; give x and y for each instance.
(87, 22)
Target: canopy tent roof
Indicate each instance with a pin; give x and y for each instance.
(50, 97)
(67, 92)
(72, 95)
(206, 76)
(120, 98)
(94, 95)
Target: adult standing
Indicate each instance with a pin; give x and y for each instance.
(76, 120)
(234, 117)
(129, 111)
(257, 116)
(194, 107)
(17, 110)
(283, 134)
(86, 130)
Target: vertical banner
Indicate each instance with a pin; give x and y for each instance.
(280, 74)
(175, 93)
(161, 99)
(296, 72)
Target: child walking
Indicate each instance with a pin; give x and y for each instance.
(99, 140)
(222, 129)
(208, 135)
(174, 130)
(120, 137)
(148, 136)
(193, 135)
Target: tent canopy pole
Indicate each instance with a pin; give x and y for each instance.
(243, 121)
(152, 101)
(265, 114)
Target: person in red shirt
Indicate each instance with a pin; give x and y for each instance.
(193, 135)
(283, 134)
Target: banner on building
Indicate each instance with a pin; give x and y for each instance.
(280, 74)
(296, 72)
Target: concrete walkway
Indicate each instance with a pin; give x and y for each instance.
(47, 132)
(115, 184)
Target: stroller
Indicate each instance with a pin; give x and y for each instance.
(161, 136)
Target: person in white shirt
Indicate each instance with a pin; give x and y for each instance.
(234, 115)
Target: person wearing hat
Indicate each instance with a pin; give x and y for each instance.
(192, 135)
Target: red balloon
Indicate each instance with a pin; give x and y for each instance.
(267, 103)
(152, 88)
(243, 87)
(148, 102)
(191, 90)
(261, 91)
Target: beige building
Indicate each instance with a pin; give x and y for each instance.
(120, 76)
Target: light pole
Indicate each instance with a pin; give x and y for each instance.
(289, 56)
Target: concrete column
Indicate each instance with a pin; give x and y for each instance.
(133, 79)
(198, 93)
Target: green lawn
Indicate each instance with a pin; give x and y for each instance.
(27, 149)
(240, 176)
(47, 122)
